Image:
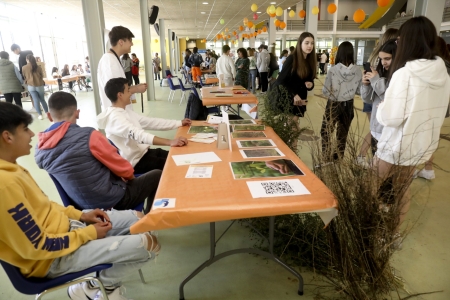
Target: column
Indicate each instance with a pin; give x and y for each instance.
(432, 9)
(162, 42)
(272, 31)
(285, 19)
(240, 42)
(147, 45)
(283, 42)
(94, 24)
(177, 53)
(335, 17)
(311, 20)
(172, 66)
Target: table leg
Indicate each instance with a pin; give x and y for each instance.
(213, 257)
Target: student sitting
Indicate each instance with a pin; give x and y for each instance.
(86, 165)
(126, 129)
(44, 239)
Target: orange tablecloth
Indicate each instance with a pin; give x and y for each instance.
(223, 198)
(209, 98)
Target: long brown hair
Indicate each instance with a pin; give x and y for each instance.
(33, 63)
(391, 33)
(304, 66)
(422, 46)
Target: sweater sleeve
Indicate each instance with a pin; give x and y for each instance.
(107, 154)
(70, 211)
(379, 85)
(119, 125)
(366, 93)
(327, 87)
(28, 234)
(156, 123)
(391, 111)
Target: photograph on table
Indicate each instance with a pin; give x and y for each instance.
(264, 169)
(202, 129)
(248, 134)
(245, 127)
(255, 143)
(257, 153)
(234, 122)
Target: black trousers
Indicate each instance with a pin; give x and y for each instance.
(136, 79)
(322, 68)
(337, 115)
(16, 96)
(264, 81)
(139, 189)
(154, 159)
(128, 76)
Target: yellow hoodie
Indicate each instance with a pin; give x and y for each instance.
(33, 230)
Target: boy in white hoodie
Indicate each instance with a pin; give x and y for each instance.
(126, 129)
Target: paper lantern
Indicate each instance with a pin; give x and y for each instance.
(250, 24)
(282, 25)
(359, 16)
(382, 3)
(187, 38)
(272, 15)
(292, 13)
(241, 28)
(255, 16)
(272, 9)
(245, 21)
(302, 13)
(331, 8)
(254, 7)
(264, 29)
(279, 11)
(222, 21)
(315, 10)
(277, 23)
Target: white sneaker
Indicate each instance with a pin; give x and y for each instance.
(427, 174)
(40, 117)
(32, 110)
(117, 294)
(361, 160)
(81, 291)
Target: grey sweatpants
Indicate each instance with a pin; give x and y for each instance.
(128, 253)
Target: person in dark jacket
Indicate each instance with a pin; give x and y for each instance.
(22, 55)
(86, 165)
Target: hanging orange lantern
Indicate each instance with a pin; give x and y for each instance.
(302, 13)
(277, 23)
(250, 24)
(273, 15)
(332, 8)
(359, 16)
(241, 28)
(264, 29)
(282, 25)
(382, 3)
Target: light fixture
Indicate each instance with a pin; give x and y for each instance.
(202, 12)
(258, 12)
(289, 8)
(273, 3)
(205, 3)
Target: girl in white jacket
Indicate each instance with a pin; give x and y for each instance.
(414, 107)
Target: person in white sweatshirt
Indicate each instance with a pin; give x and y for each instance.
(262, 63)
(225, 66)
(414, 107)
(342, 83)
(126, 129)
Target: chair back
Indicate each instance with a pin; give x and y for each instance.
(171, 85)
(62, 193)
(195, 92)
(33, 285)
(168, 73)
(182, 86)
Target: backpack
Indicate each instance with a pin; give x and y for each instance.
(197, 59)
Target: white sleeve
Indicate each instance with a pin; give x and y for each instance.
(155, 123)
(119, 125)
(392, 111)
(109, 68)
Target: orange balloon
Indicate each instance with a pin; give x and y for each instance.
(218, 36)
(234, 32)
(245, 20)
(272, 15)
(241, 28)
(250, 24)
(382, 3)
(264, 29)
(359, 16)
(332, 8)
(229, 36)
(282, 25)
(302, 13)
(259, 31)
(277, 23)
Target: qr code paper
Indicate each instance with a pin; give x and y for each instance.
(277, 188)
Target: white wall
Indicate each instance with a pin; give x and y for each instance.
(347, 7)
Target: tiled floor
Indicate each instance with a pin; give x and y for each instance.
(424, 261)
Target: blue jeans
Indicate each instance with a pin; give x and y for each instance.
(37, 93)
(252, 79)
(126, 252)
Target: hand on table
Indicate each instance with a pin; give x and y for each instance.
(186, 122)
(179, 142)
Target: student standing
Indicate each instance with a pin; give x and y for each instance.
(157, 67)
(126, 64)
(242, 65)
(252, 71)
(135, 68)
(196, 60)
(225, 66)
(262, 63)
(34, 79)
(342, 83)
(10, 80)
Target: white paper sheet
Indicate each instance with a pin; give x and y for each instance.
(195, 158)
(277, 188)
(200, 171)
(204, 135)
(214, 119)
(261, 152)
(246, 143)
(204, 141)
(164, 203)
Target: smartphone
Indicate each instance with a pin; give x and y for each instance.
(367, 67)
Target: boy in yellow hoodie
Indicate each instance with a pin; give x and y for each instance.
(45, 239)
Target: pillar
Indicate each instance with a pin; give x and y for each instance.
(162, 42)
(335, 18)
(432, 9)
(240, 42)
(177, 53)
(252, 42)
(272, 31)
(311, 20)
(172, 64)
(283, 43)
(147, 45)
(94, 24)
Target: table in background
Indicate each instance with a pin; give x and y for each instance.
(223, 198)
(65, 79)
(209, 97)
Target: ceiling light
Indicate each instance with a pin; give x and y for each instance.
(258, 12)
(273, 3)
(202, 12)
(205, 3)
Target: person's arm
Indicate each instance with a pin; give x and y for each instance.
(156, 123)
(119, 125)
(233, 68)
(24, 75)
(16, 70)
(392, 111)
(107, 154)
(378, 85)
(24, 230)
(258, 61)
(366, 93)
(327, 87)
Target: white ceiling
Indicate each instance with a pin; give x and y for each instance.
(182, 16)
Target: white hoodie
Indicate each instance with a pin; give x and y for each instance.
(413, 111)
(342, 82)
(126, 130)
